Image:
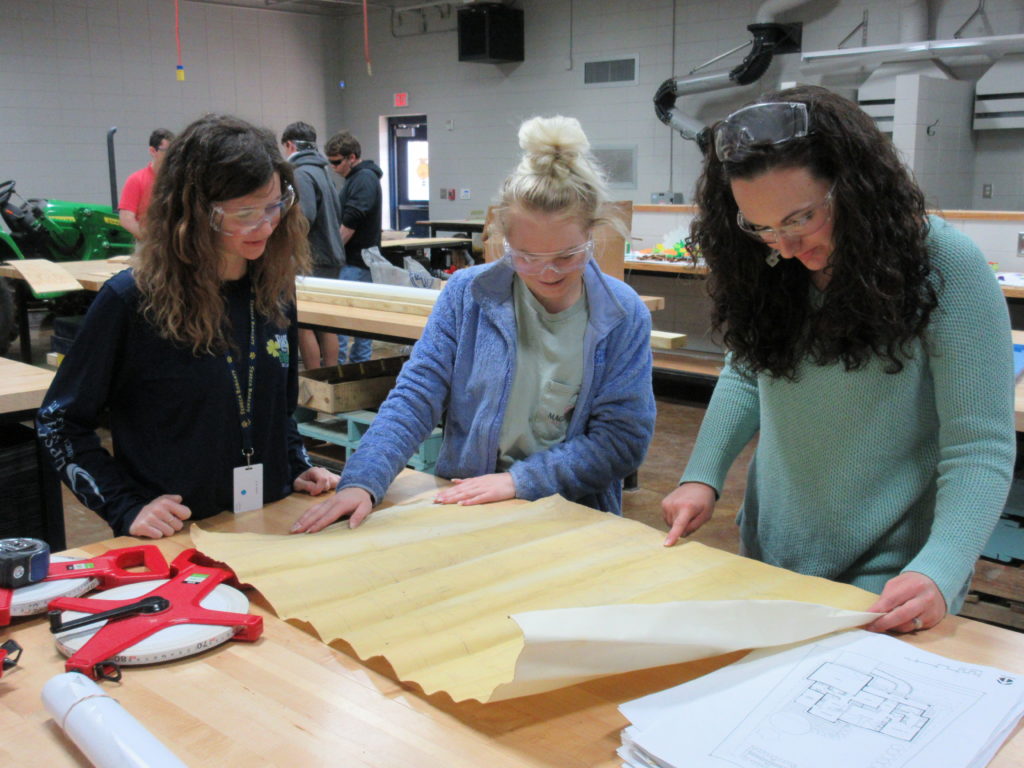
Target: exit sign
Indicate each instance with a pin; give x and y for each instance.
(401, 99)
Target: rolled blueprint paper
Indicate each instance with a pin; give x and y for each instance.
(104, 730)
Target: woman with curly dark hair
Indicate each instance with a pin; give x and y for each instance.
(868, 345)
(192, 351)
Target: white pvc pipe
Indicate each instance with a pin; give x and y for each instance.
(833, 60)
(367, 290)
(106, 733)
(772, 8)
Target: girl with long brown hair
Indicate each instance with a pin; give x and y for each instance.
(869, 349)
(192, 354)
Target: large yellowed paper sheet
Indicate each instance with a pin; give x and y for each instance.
(431, 588)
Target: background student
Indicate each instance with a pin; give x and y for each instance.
(318, 200)
(131, 209)
(361, 210)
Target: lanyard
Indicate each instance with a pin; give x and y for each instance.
(245, 404)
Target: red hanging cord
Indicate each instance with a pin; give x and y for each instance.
(366, 40)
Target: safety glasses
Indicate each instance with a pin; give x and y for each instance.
(759, 125)
(802, 224)
(247, 220)
(560, 262)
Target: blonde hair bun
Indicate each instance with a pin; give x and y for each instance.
(552, 138)
(557, 172)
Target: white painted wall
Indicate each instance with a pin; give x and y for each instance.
(486, 102)
(72, 68)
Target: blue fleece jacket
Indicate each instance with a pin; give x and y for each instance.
(464, 365)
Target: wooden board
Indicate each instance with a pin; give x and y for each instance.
(412, 243)
(44, 276)
(22, 386)
(667, 340)
(404, 306)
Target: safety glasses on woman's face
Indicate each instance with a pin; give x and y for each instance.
(247, 220)
(802, 224)
(560, 262)
(759, 124)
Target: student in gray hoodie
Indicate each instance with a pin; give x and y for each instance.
(318, 199)
(540, 363)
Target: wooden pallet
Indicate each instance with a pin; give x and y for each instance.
(997, 594)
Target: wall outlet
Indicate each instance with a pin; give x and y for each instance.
(986, 191)
(1020, 244)
(444, 193)
(465, 194)
(662, 198)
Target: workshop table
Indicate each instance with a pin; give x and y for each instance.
(290, 700)
(385, 326)
(402, 246)
(91, 275)
(397, 327)
(453, 225)
(22, 388)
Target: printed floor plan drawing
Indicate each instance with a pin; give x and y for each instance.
(850, 700)
(849, 704)
(883, 704)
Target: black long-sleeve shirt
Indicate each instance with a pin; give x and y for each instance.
(174, 415)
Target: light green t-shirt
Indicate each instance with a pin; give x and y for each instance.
(549, 373)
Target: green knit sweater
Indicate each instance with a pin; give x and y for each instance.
(859, 476)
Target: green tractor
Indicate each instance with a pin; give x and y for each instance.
(56, 230)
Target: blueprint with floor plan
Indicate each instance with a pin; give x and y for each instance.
(855, 700)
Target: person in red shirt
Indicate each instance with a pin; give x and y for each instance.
(139, 186)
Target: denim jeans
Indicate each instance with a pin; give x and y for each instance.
(362, 348)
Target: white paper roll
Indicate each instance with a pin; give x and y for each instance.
(104, 730)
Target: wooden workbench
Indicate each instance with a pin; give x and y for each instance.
(380, 324)
(22, 386)
(38, 513)
(388, 326)
(453, 225)
(289, 700)
(91, 275)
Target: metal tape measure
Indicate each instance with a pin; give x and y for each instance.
(23, 562)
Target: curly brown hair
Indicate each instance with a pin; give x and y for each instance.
(217, 158)
(881, 290)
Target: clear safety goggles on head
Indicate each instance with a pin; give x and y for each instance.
(560, 262)
(764, 124)
(246, 220)
(803, 224)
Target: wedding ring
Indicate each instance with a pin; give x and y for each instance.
(917, 623)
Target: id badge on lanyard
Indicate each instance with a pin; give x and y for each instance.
(247, 479)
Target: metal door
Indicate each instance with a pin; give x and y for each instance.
(410, 172)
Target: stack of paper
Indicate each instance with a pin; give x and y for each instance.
(851, 700)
